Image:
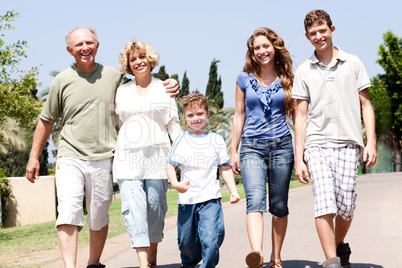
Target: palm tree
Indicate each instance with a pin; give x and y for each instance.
(220, 121)
(10, 135)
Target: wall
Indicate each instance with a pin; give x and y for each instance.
(31, 203)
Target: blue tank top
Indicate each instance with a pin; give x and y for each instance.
(265, 109)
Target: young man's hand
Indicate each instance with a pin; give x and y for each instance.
(302, 172)
(370, 155)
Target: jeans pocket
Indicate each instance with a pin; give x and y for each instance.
(286, 142)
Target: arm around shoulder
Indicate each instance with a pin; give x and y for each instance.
(172, 87)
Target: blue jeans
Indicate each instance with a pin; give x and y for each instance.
(200, 230)
(144, 206)
(262, 162)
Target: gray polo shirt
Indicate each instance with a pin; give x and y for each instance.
(334, 117)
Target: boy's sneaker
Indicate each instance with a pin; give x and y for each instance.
(343, 251)
(334, 262)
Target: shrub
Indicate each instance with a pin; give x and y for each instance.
(5, 192)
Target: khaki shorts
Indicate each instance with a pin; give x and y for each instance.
(76, 178)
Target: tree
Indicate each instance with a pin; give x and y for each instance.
(16, 87)
(57, 125)
(161, 74)
(213, 91)
(15, 156)
(220, 121)
(386, 94)
(185, 85)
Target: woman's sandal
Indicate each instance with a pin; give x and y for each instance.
(254, 259)
(275, 264)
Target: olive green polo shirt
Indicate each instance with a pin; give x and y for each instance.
(85, 104)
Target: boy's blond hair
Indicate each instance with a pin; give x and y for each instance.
(195, 99)
(319, 16)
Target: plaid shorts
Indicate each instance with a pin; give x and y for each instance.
(333, 174)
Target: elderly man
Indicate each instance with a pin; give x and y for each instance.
(83, 97)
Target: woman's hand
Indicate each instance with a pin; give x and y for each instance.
(235, 163)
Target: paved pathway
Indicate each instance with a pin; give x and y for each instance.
(375, 236)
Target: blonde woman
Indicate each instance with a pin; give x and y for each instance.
(149, 116)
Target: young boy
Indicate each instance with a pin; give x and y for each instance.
(331, 84)
(199, 152)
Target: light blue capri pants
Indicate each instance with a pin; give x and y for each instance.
(144, 206)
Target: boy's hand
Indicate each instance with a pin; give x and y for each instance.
(182, 186)
(301, 172)
(172, 87)
(234, 197)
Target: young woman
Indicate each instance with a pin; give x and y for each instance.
(149, 115)
(263, 101)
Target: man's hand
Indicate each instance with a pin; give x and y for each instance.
(42, 133)
(172, 87)
(32, 170)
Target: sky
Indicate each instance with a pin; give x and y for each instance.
(188, 35)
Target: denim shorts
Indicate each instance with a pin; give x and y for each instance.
(144, 206)
(267, 161)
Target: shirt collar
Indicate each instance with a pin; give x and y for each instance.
(341, 56)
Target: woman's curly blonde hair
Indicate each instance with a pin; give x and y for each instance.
(142, 48)
(283, 63)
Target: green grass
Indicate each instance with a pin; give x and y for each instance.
(42, 238)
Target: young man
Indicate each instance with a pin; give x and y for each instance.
(332, 86)
(83, 97)
(199, 152)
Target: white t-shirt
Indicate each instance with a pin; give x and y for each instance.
(334, 118)
(198, 157)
